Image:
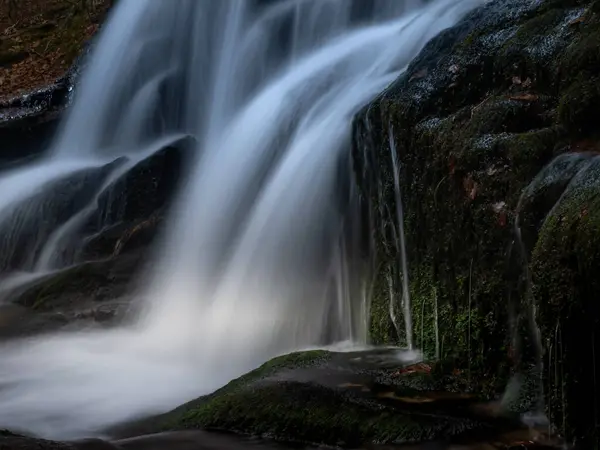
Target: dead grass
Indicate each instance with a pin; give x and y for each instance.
(40, 39)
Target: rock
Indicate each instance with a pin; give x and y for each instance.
(338, 399)
(28, 122)
(78, 288)
(10, 441)
(131, 211)
(564, 263)
(478, 114)
(29, 225)
(182, 440)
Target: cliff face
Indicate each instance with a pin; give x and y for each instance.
(477, 115)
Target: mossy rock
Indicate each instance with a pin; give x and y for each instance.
(339, 399)
(565, 266)
(73, 287)
(478, 114)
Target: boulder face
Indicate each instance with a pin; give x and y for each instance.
(350, 400)
(477, 115)
(28, 122)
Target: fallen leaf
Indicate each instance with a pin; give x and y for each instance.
(576, 21)
(453, 68)
(415, 368)
(470, 187)
(524, 97)
(502, 219)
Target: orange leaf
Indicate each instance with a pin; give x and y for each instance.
(524, 97)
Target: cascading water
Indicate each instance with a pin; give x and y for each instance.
(406, 305)
(260, 253)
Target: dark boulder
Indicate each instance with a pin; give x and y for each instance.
(28, 122)
(130, 212)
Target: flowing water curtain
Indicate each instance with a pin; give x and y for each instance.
(258, 243)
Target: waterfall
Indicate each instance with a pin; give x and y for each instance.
(259, 253)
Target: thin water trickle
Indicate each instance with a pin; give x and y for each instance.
(251, 262)
(406, 304)
(525, 391)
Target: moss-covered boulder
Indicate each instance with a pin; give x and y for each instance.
(477, 115)
(565, 266)
(341, 399)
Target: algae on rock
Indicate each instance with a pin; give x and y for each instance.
(477, 115)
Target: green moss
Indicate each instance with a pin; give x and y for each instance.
(294, 360)
(579, 105)
(381, 327)
(565, 264)
(81, 279)
(471, 135)
(313, 414)
(279, 402)
(290, 361)
(583, 53)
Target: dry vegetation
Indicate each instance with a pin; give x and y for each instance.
(40, 39)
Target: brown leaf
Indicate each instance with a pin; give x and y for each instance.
(524, 97)
(580, 19)
(414, 368)
(470, 187)
(502, 219)
(452, 164)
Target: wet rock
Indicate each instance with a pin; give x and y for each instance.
(478, 114)
(28, 122)
(565, 263)
(339, 399)
(79, 287)
(29, 226)
(183, 440)
(131, 211)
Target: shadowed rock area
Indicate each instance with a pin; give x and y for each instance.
(479, 113)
